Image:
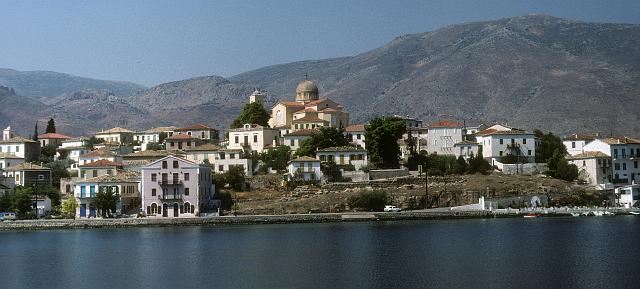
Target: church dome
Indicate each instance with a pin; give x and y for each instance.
(307, 86)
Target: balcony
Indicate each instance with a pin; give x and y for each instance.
(171, 197)
(167, 183)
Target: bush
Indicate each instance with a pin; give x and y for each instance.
(369, 200)
(226, 200)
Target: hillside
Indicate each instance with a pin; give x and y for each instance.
(39, 84)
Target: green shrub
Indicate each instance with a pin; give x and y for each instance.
(369, 200)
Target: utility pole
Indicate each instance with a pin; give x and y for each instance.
(426, 189)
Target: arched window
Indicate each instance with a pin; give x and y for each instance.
(187, 208)
(278, 117)
(154, 209)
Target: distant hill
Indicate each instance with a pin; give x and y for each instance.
(48, 83)
(533, 71)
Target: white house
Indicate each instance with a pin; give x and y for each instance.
(499, 143)
(305, 168)
(576, 142)
(466, 149)
(346, 155)
(125, 185)
(21, 147)
(253, 136)
(220, 159)
(153, 135)
(597, 165)
(199, 131)
(116, 135)
(442, 137)
(74, 148)
(8, 160)
(625, 157)
(628, 196)
(294, 138)
(356, 133)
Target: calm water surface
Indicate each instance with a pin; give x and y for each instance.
(586, 252)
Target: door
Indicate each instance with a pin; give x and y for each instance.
(83, 210)
(92, 211)
(175, 210)
(165, 209)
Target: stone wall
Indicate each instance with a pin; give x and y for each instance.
(387, 174)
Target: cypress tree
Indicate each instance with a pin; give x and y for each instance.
(51, 126)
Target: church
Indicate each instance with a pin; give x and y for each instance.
(308, 111)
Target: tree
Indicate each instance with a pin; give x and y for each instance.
(106, 201)
(162, 136)
(234, 177)
(59, 170)
(478, 164)
(51, 126)
(69, 207)
(381, 138)
(331, 171)
(277, 158)
(369, 200)
(253, 113)
(226, 200)
(326, 137)
(560, 168)
(47, 153)
(93, 141)
(35, 133)
(549, 143)
(461, 165)
(22, 202)
(153, 146)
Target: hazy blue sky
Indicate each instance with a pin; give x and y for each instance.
(151, 42)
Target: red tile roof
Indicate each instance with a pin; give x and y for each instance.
(53, 136)
(97, 153)
(582, 136)
(291, 103)
(194, 127)
(179, 136)
(621, 140)
(101, 163)
(446, 123)
(302, 132)
(355, 128)
(309, 118)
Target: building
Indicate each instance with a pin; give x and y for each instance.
(21, 147)
(308, 110)
(597, 166)
(74, 148)
(8, 160)
(625, 157)
(199, 131)
(220, 159)
(443, 135)
(28, 174)
(576, 142)
(52, 139)
(176, 187)
(98, 168)
(628, 196)
(412, 123)
(497, 143)
(116, 135)
(466, 149)
(294, 138)
(304, 169)
(99, 154)
(253, 137)
(125, 185)
(180, 142)
(153, 135)
(346, 155)
(356, 133)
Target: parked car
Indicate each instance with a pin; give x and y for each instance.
(7, 216)
(390, 208)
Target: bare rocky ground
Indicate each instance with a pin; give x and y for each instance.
(407, 193)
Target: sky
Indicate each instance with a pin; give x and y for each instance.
(152, 42)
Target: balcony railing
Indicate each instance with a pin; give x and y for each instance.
(171, 197)
(165, 183)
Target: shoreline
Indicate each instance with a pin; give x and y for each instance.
(27, 225)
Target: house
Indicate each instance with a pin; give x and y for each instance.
(125, 185)
(199, 131)
(356, 132)
(21, 147)
(42, 205)
(153, 135)
(74, 148)
(307, 111)
(345, 155)
(595, 164)
(411, 123)
(499, 141)
(176, 187)
(628, 196)
(220, 159)
(180, 142)
(116, 135)
(575, 142)
(294, 138)
(466, 149)
(99, 154)
(625, 157)
(470, 130)
(442, 137)
(420, 143)
(253, 137)
(52, 139)
(8, 160)
(28, 174)
(98, 168)
(304, 169)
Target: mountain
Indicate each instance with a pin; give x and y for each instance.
(532, 71)
(41, 84)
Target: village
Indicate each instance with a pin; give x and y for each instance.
(303, 148)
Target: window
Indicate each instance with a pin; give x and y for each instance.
(153, 192)
(220, 168)
(186, 176)
(17, 149)
(292, 142)
(186, 191)
(222, 156)
(83, 191)
(529, 152)
(584, 163)
(500, 153)
(176, 178)
(624, 166)
(164, 164)
(237, 139)
(95, 173)
(524, 141)
(232, 156)
(635, 164)
(501, 142)
(154, 177)
(573, 145)
(255, 138)
(202, 135)
(358, 136)
(110, 172)
(175, 164)
(40, 177)
(615, 153)
(323, 158)
(617, 167)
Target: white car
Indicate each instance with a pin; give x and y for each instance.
(391, 209)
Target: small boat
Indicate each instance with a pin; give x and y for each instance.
(532, 215)
(607, 213)
(575, 214)
(634, 213)
(598, 213)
